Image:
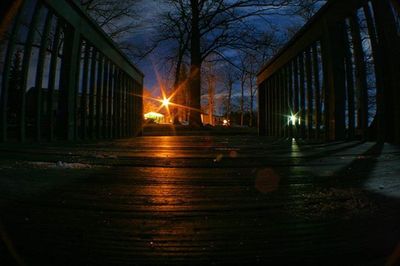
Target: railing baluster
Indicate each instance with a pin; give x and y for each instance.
(360, 76)
(99, 96)
(68, 89)
(389, 43)
(25, 71)
(6, 74)
(317, 89)
(39, 75)
(296, 96)
(302, 97)
(126, 106)
(84, 93)
(52, 80)
(333, 56)
(110, 101)
(262, 109)
(349, 86)
(274, 106)
(285, 100)
(92, 92)
(290, 99)
(309, 94)
(270, 107)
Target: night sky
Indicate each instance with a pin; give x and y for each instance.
(149, 14)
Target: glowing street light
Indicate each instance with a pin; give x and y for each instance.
(292, 119)
(165, 102)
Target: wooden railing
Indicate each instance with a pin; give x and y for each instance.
(62, 77)
(338, 78)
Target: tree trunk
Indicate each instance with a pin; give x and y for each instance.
(195, 67)
(228, 109)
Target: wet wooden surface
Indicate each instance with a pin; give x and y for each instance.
(190, 200)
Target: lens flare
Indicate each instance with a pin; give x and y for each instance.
(165, 102)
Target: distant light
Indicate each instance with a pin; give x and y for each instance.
(225, 122)
(165, 102)
(293, 119)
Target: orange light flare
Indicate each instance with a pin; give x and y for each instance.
(165, 102)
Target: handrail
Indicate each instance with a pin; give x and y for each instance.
(77, 16)
(324, 77)
(84, 87)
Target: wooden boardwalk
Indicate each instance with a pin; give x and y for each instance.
(191, 200)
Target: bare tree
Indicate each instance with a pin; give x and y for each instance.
(117, 18)
(205, 28)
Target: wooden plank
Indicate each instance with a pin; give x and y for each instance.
(270, 206)
(39, 75)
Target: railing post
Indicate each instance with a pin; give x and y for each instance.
(290, 95)
(389, 63)
(68, 84)
(110, 99)
(302, 96)
(349, 86)
(360, 76)
(333, 60)
(99, 96)
(106, 88)
(5, 85)
(317, 92)
(25, 71)
(296, 96)
(261, 109)
(286, 100)
(309, 94)
(140, 115)
(39, 75)
(92, 93)
(84, 95)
